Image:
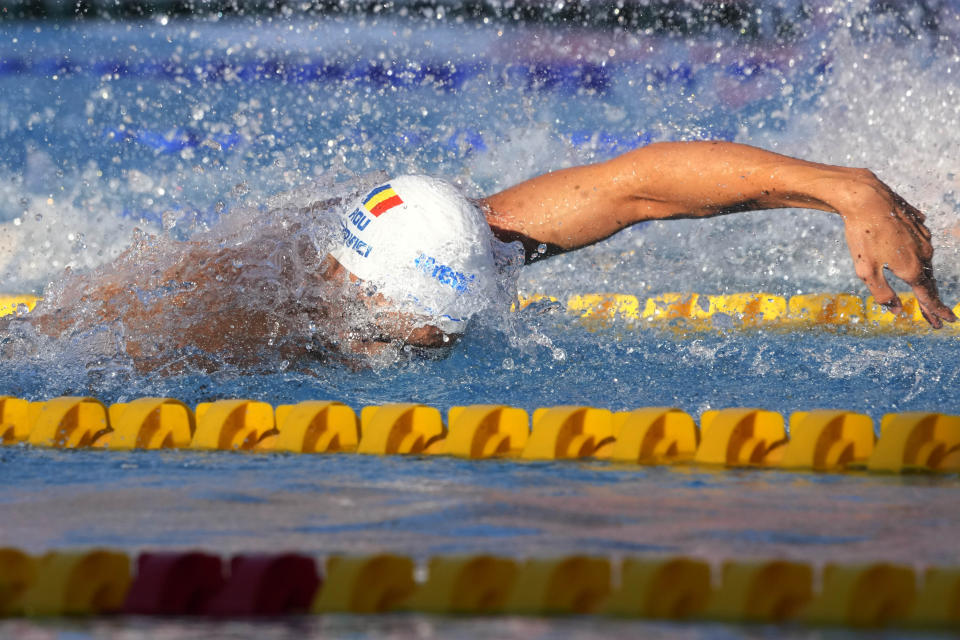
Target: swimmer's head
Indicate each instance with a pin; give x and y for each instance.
(423, 246)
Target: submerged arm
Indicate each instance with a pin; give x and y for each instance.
(576, 207)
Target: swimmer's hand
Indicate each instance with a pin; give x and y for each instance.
(884, 230)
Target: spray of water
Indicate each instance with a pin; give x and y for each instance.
(179, 196)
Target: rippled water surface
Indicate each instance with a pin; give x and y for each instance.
(155, 132)
(236, 503)
(150, 133)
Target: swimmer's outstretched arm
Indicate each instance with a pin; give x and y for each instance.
(576, 207)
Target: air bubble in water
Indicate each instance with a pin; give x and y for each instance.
(169, 220)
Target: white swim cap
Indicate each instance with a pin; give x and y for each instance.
(424, 246)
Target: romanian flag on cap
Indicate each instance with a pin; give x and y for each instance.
(381, 200)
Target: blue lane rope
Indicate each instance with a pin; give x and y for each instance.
(547, 76)
(565, 77)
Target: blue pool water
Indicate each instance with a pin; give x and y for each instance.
(234, 503)
(174, 127)
(619, 369)
(110, 132)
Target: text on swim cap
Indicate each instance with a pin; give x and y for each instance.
(359, 220)
(353, 242)
(442, 273)
(381, 200)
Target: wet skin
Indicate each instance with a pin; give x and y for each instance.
(572, 208)
(563, 210)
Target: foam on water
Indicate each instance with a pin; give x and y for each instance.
(886, 101)
(170, 131)
(244, 294)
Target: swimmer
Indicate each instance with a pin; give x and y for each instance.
(416, 254)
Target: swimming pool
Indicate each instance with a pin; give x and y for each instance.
(168, 125)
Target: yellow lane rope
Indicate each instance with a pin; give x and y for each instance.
(11, 304)
(811, 440)
(740, 310)
(700, 311)
(168, 583)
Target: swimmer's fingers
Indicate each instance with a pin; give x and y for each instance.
(924, 287)
(887, 231)
(873, 276)
(932, 308)
(869, 255)
(917, 268)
